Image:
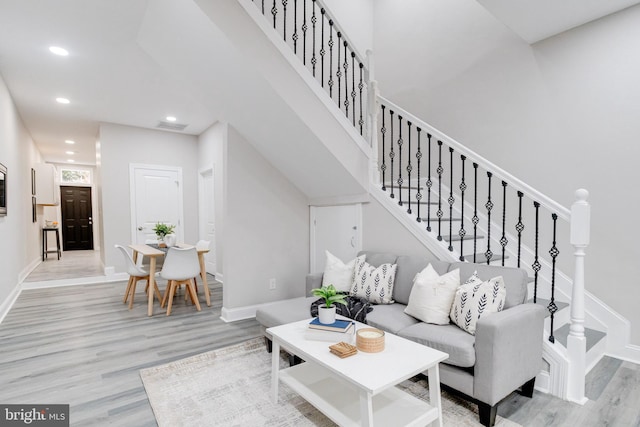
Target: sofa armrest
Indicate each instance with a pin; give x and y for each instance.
(508, 351)
(314, 280)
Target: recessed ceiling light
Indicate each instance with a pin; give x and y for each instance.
(171, 119)
(58, 51)
(70, 160)
(68, 141)
(62, 100)
(70, 152)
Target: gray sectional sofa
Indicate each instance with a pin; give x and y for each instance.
(504, 355)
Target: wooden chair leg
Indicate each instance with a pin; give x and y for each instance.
(155, 286)
(133, 291)
(166, 293)
(172, 291)
(126, 293)
(194, 296)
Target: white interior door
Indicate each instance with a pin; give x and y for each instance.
(156, 196)
(337, 229)
(207, 217)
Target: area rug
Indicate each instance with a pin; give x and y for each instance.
(231, 387)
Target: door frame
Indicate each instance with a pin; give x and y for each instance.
(91, 218)
(202, 207)
(312, 233)
(132, 197)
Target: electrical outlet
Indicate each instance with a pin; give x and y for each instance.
(272, 283)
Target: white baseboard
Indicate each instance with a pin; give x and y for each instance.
(543, 382)
(240, 313)
(9, 301)
(630, 353)
(219, 277)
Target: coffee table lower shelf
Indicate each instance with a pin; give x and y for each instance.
(340, 401)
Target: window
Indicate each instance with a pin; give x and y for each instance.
(75, 176)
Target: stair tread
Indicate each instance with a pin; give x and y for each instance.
(456, 238)
(593, 336)
(424, 219)
(481, 259)
(545, 303)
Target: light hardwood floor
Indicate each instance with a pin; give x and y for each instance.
(82, 346)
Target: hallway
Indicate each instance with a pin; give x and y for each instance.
(72, 264)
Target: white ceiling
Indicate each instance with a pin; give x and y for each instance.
(109, 77)
(535, 20)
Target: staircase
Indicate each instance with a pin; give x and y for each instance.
(458, 204)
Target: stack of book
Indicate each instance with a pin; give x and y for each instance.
(340, 330)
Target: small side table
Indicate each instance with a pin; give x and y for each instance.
(45, 247)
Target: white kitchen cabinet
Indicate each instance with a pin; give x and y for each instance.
(47, 185)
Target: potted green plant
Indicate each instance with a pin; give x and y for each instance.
(327, 312)
(162, 230)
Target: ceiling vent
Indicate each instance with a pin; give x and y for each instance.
(171, 126)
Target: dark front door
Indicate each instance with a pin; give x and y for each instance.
(77, 221)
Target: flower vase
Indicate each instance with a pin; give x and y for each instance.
(327, 315)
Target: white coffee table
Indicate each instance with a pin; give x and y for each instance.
(359, 390)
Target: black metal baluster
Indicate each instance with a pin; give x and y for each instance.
(392, 154)
(429, 184)
(519, 225)
(463, 187)
(353, 89)
(419, 193)
(284, 19)
(322, 49)
(304, 31)
(409, 169)
(451, 200)
(346, 81)
(554, 252)
(536, 266)
(383, 167)
(263, 7)
(475, 219)
(503, 240)
(313, 37)
(295, 27)
(400, 143)
(338, 72)
(330, 43)
(440, 170)
(489, 205)
(361, 86)
(274, 12)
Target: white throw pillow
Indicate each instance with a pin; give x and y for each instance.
(338, 273)
(432, 295)
(476, 299)
(374, 284)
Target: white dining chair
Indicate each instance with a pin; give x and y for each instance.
(202, 245)
(136, 274)
(180, 267)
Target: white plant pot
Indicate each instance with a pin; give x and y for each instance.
(326, 315)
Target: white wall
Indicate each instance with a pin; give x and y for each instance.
(266, 229)
(212, 152)
(381, 232)
(561, 114)
(355, 18)
(122, 145)
(19, 236)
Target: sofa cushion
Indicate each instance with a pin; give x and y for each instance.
(515, 279)
(432, 295)
(286, 311)
(390, 318)
(408, 267)
(448, 338)
(476, 299)
(375, 284)
(338, 273)
(378, 258)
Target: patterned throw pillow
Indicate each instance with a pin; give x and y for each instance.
(338, 273)
(432, 295)
(475, 299)
(374, 284)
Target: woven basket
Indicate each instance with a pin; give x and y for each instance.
(370, 340)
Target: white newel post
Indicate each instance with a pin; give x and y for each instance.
(576, 342)
(372, 127)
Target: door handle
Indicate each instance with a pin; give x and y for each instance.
(353, 241)
(140, 228)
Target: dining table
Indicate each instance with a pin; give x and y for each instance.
(153, 253)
